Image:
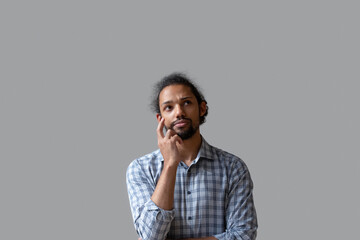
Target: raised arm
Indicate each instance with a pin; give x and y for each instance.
(152, 203)
(163, 195)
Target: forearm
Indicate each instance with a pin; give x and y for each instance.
(163, 195)
(150, 220)
(156, 217)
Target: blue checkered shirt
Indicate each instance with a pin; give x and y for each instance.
(213, 197)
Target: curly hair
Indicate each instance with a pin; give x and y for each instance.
(176, 79)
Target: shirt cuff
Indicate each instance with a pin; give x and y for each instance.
(165, 215)
(221, 236)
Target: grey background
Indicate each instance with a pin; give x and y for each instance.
(281, 79)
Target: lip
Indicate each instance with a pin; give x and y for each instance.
(181, 123)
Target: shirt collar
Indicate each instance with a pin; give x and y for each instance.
(207, 151)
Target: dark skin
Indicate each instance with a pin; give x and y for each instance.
(176, 101)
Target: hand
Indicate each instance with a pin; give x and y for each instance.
(168, 145)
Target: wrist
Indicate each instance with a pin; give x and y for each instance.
(170, 165)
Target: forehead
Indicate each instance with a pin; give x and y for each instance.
(173, 92)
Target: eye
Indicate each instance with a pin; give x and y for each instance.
(167, 108)
(187, 102)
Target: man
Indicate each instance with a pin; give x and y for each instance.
(188, 189)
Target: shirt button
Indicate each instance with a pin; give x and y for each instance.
(189, 218)
(188, 192)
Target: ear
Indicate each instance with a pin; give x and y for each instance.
(202, 108)
(158, 117)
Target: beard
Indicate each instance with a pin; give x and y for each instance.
(186, 132)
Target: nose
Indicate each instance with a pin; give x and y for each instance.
(179, 111)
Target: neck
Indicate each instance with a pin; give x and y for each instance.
(190, 148)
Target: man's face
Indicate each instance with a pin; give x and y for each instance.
(181, 111)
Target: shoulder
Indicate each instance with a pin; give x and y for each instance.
(146, 162)
(229, 160)
(233, 167)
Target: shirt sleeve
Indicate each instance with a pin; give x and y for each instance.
(241, 219)
(151, 222)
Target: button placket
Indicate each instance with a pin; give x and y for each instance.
(189, 196)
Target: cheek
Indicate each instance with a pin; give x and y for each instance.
(167, 123)
(195, 113)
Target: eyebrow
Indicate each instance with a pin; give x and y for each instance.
(168, 102)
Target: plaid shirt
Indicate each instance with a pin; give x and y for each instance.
(213, 197)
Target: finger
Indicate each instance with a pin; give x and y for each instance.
(177, 139)
(160, 128)
(170, 133)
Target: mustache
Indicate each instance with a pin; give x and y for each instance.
(180, 119)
